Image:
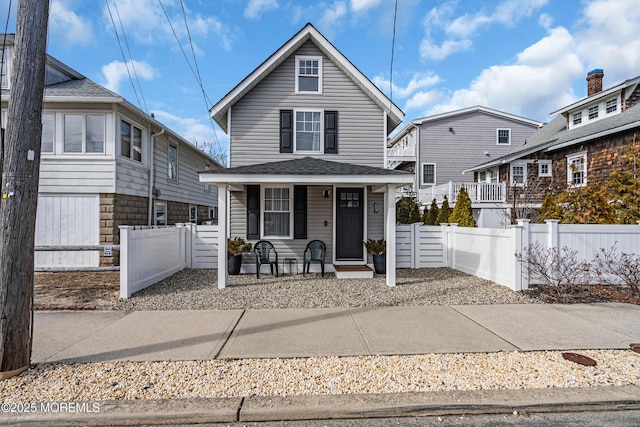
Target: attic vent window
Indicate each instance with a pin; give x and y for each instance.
(308, 74)
(612, 105)
(577, 118)
(593, 112)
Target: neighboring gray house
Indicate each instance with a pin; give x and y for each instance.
(307, 134)
(437, 149)
(106, 163)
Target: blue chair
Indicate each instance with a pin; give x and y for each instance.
(314, 252)
(265, 254)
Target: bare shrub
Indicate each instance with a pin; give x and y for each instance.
(558, 273)
(610, 265)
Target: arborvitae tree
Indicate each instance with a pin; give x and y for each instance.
(549, 209)
(431, 214)
(462, 213)
(407, 211)
(444, 213)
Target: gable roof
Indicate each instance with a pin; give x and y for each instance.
(555, 135)
(307, 33)
(633, 83)
(455, 113)
(306, 170)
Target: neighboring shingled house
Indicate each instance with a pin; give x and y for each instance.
(106, 163)
(582, 144)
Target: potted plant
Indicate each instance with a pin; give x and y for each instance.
(378, 250)
(235, 248)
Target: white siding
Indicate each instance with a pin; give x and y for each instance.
(79, 175)
(67, 220)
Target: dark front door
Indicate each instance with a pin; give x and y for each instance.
(349, 223)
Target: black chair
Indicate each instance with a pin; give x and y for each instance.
(314, 252)
(265, 254)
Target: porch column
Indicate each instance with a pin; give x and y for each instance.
(223, 193)
(390, 233)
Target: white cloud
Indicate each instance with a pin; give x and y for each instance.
(360, 5)
(256, 8)
(539, 81)
(68, 27)
(145, 22)
(116, 72)
(331, 16)
(421, 99)
(457, 33)
(417, 82)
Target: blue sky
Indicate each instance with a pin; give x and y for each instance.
(525, 57)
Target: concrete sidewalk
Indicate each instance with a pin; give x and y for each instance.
(194, 335)
(238, 334)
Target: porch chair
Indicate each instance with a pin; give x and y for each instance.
(314, 252)
(265, 254)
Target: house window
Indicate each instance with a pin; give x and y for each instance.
(488, 176)
(172, 166)
(544, 168)
(5, 62)
(428, 173)
(48, 121)
(193, 214)
(84, 133)
(593, 112)
(611, 105)
(130, 141)
(161, 213)
(518, 174)
(308, 134)
(577, 118)
(309, 74)
(577, 169)
(276, 217)
(504, 136)
(213, 212)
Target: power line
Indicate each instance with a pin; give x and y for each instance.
(124, 57)
(393, 47)
(196, 72)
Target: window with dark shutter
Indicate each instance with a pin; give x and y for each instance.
(286, 131)
(331, 132)
(253, 212)
(300, 212)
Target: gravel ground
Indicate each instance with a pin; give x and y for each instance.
(318, 375)
(197, 290)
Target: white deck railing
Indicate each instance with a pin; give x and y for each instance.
(479, 192)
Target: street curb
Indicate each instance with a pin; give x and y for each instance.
(347, 406)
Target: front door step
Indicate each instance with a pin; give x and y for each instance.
(353, 272)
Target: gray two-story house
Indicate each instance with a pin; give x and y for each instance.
(438, 148)
(308, 135)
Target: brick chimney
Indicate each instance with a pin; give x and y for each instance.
(594, 81)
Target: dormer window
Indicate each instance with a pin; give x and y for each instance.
(577, 118)
(308, 74)
(612, 105)
(593, 112)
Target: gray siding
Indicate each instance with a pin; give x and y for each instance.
(254, 131)
(77, 176)
(474, 134)
(375, 221)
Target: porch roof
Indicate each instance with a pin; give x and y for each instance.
(307, 170)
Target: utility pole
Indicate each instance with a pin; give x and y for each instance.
(19, 192)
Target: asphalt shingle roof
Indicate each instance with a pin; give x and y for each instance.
(80, 88)
(305, 166)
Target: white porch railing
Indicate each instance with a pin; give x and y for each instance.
(479, 192)
(399, 153)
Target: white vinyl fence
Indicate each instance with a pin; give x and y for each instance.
(150, 254)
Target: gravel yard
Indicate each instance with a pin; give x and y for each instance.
(318, 375)
(197, 290)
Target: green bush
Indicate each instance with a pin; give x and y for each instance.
(462, 213)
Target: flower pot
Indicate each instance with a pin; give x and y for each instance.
(380, 264)
(234, 262)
